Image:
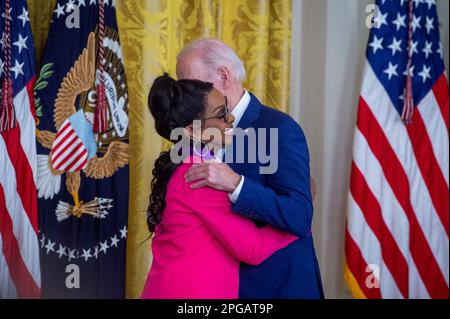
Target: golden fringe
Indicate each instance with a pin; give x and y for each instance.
(352, 283)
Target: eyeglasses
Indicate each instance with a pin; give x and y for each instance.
(223, 114)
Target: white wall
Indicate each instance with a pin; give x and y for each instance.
(328, 52)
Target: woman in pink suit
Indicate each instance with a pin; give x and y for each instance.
(198, 241)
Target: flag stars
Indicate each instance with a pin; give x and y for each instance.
(413, 48)
(114, 241)
(96, 252)
(3, 39)
(42, 240)
(17, 69)
(24, 17)
(9, 14)
(411, 71)
(376, 44)
(440, 50)
(417, 2)
(86, 254)
(395, 46)
(104, 247)
(425, 74)
(380, 19)
(416, 23)
(427, 49)
(70, 6)
(59, 10)
(49, 246)
(81, 3)
(92, 2)
(400, 21)
(430, 3)
(391, 70)
(71, 254)
(61, 251)
(21, 43)
(123, 232)
(429, 24)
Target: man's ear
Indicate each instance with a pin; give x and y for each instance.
(225, 77)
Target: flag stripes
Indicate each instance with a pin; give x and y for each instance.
(68, 153)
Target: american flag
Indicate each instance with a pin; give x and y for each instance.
(396, 243)
(19, 250)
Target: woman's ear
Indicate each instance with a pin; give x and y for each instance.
(189, 131)
(225, 78)
(194, 130)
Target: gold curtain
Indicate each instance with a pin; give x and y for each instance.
(40, 13)
(152, 32)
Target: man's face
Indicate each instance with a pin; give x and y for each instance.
(190, 67)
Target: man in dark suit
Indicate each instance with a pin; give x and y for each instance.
(281, 198)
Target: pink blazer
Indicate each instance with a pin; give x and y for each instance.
(197, 251)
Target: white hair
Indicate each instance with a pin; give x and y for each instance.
(215, 54)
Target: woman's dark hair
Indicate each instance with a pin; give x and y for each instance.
(173, 104)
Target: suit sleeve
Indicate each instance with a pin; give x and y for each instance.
(237, 234)
(285, 201)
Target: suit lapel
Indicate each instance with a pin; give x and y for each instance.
(250, 115)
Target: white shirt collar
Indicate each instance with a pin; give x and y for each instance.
(237, 112)
(240, 108)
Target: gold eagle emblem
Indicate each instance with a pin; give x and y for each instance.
(77, 83)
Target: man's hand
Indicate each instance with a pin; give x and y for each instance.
(214, 174)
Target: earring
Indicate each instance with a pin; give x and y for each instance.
(198, 149)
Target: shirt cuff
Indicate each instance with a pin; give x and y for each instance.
(235, 195)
